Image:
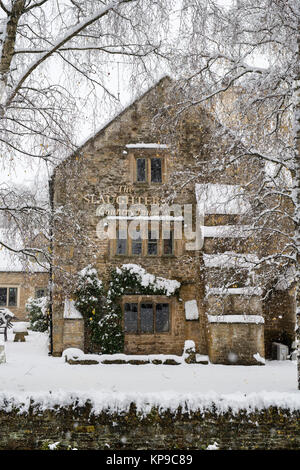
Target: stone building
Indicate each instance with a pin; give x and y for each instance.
(138, 158)
(19, 282)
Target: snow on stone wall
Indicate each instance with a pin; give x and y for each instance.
(70, 311)
(102, 401)
(258, 319)
(191, 310)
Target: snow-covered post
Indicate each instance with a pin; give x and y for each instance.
(189, 352)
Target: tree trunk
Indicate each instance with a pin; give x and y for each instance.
(9, 40)
(296, 195)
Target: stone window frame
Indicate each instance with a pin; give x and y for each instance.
(40, 288)
(147, 154)
(144, 253)
(7, 287)
(154, 299)
(148, 159)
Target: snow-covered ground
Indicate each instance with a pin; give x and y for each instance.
(29, 368)
(29, 371)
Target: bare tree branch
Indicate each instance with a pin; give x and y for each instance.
(4, 8)
(61, 42)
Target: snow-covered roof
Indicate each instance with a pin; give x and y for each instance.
(70, 311)
(226, 231)
(255, 290)
(258, 319)
(230, 259)
(221, 199)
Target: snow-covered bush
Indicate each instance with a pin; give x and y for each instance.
(38, 313)
(89, 292)
(103, 321)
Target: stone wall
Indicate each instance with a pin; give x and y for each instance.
(269, 429)
(73, 333)
(279, 313)
(231, 343)
(27, 284)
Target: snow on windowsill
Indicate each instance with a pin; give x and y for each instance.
(143, 145)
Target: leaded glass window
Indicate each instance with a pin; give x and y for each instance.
(146, 317)
(162, 318)
(12, 297)
(152, 243)
(8, 296)
(168, 243)
(136, 246)
(3, 296)
(40, 292)
(121, 242)
(156, 170)
(141, 169)
(131, 317)
(146, 313)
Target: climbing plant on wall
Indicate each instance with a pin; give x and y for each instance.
(133, 279)
(100, 306)
(103, 328)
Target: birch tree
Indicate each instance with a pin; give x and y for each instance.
(241, 61)
(52, 66)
